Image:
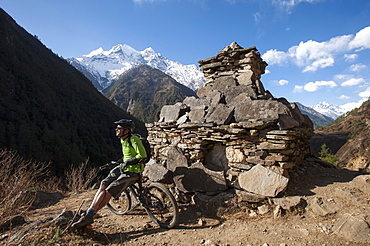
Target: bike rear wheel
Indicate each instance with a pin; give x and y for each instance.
(161, 206)
(122, 204)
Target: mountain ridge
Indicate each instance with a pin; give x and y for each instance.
(104, 67)
(318, 119)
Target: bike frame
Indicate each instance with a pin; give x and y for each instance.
(137, 191)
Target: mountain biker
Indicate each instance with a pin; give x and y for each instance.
(122, 175)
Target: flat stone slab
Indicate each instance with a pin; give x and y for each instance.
(262, 181)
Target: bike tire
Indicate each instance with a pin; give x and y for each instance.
(161, 205)
(122, 204)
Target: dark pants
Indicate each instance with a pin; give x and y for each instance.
(117, 181)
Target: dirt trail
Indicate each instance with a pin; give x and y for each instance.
(234, 229)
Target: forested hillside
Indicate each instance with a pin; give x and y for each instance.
(142, 91)
(49, 111)
(349, 138)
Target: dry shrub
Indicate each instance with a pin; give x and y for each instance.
(17, 175)
(78, 178)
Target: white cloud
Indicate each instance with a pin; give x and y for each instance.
(283, 82)
(314, 86)
(287, 5)
(357, 67)
(343, 76)
(322, 63)
(275, 57)
(352, 105)
(344, 97)
(267, 71)
(361, 40)
(298, 88)
(312, 55)
(350, 57)
(352, 82)
(365, 94)
(257, 17)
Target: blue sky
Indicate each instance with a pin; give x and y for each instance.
(317, 50)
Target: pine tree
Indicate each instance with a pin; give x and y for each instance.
(326, 155)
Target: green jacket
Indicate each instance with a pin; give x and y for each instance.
(137, 150)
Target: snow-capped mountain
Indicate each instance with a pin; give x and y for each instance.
(104, 67)
(317, 118)
(331, 110)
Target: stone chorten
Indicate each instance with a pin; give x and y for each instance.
(234, 134)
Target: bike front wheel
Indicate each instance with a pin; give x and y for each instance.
(161, 205)
(122, 204)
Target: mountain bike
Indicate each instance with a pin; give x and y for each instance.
(155, 198)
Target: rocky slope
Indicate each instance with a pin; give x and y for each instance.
(349, 138)
(332, 209)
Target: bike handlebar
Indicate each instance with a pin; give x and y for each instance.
(109, 165)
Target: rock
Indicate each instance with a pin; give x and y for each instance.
(245, 78)
(12, 222)
(353, 227)
(63, 218)
(264, 110)
(221, 115)
(198, 178)
(291, 203)
(264, 209)
(278, 211)
(196, 115)
(215, 159)
(286, 122)
(175, 159)
(249, 197)
(155, 172)
(210, 205)
(259, 180)
(362, 182)
(321, 207)
(170, 113)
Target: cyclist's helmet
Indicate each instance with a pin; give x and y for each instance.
(128, 124)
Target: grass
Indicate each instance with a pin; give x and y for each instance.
(18, 175)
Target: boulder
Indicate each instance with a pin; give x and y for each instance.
(264, 110)
(221, 115)
(175, 158)
(170, 113)
(155, 172)
(353, 227)
(249, 197)
(321, 207)
(196, 115)
(210, 205)
(286, 122)
(262, 181)
(198, 178)
(221, 83)
(292, 203)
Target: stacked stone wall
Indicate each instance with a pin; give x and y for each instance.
(235, 134)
